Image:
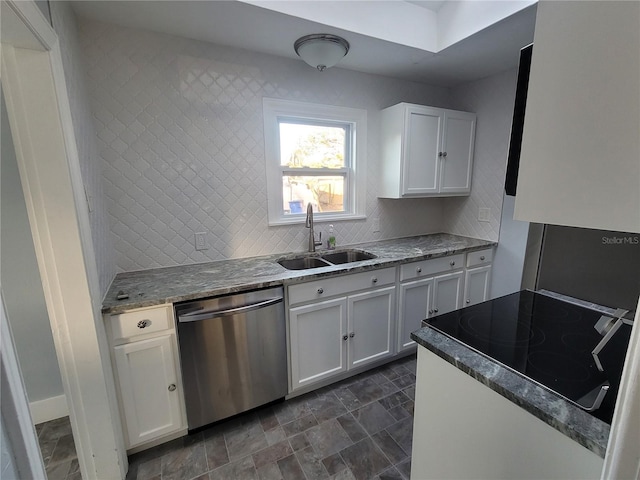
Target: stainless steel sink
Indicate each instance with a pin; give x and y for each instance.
(303, 263)
(347, 256)
(328, 259)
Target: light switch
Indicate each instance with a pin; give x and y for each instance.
(484, 214)
(376, 225)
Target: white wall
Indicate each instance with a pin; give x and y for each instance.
(179, 126)
(64, 23)
(20, 278)
(492, 99)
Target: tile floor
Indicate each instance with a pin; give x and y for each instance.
(58, 450)
(360, 428)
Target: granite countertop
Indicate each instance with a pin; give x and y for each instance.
(187, 282)
(562, 415)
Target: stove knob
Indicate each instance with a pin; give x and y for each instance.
(468, 300)
(430, 312)
(452, 263)
(320, 291)
(435, 310)
(419, 270)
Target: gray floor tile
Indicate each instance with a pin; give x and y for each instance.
(373, 417)
(290, 468)
(405, 381)
(352, 427)
(405, 468)
(58, 471)
(271, 471)
(149, 469)
(327, 406)
(328, 438)
(65, 450)
(311, 464)
(216, 451)
(390, 474)
(389, 447)
(299, 425)
(245, 439)
(272, 454)
(275, 435)
(402, 433)
(184, 463)
(292, 409)
(299, 442)
(364, 459)
(334, 464)
(393, 400)
(242, 468)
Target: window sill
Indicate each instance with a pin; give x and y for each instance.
(317, 220)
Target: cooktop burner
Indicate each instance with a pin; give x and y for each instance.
(546, 340)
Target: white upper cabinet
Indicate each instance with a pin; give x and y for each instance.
(426, 151)
(580, 160)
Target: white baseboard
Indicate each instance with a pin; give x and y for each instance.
(48, 409)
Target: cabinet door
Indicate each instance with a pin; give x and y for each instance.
(415, 303)
(476, 285)
(318, 349)
(456, 162)
(371, 320)
(423, 137)
(149, 388)
(447, 292)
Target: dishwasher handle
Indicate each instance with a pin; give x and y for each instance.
(208, 314)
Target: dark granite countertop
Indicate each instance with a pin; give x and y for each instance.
(188, 282)
(562, 415)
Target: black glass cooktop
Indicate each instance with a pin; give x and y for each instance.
(548, 341)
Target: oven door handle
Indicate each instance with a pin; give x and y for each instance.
(226, 312)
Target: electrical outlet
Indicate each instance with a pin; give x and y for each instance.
(201, 241)
(376, 225)
(484, 214)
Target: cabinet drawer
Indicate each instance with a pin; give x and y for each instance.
(342, 285)
(141, 322)
(426, 268)
(480, 257)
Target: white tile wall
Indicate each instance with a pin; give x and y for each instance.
(64, 23)
(492, 99)
(179, 128)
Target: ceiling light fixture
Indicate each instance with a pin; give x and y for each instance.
(321, 50)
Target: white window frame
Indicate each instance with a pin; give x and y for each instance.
(275, 110)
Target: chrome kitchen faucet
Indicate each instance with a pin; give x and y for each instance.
(309, 224)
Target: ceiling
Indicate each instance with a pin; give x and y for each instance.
(260, 28)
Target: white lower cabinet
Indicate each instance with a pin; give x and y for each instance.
(476, 285)
(316, 334)
(148, 386)
(371, 322)
(145, 360)
(424, 298)
(330, 337)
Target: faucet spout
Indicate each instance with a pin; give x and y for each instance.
(309, 224)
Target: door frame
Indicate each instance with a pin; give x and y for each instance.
(40, 118)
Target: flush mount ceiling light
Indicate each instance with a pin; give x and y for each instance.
(321, 50)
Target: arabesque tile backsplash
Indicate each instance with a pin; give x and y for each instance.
(180, 136)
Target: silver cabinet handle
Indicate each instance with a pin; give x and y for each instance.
(439, 154)
(482, 257)
(419, 270)
(435, 310)
(444, 154)
(374, 280)
(320, 291)
(430, 312)
(144, 323)
(468, 300)
(352, 334)
(452, 263)
(345, 337)
(172, 387)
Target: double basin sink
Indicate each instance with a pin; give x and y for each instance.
(304, 262)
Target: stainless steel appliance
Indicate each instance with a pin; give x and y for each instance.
(233, 354)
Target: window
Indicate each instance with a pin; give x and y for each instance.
(315, 154)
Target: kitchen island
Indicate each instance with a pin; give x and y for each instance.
(477, 418)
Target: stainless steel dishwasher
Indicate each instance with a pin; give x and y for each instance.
(233, 354)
